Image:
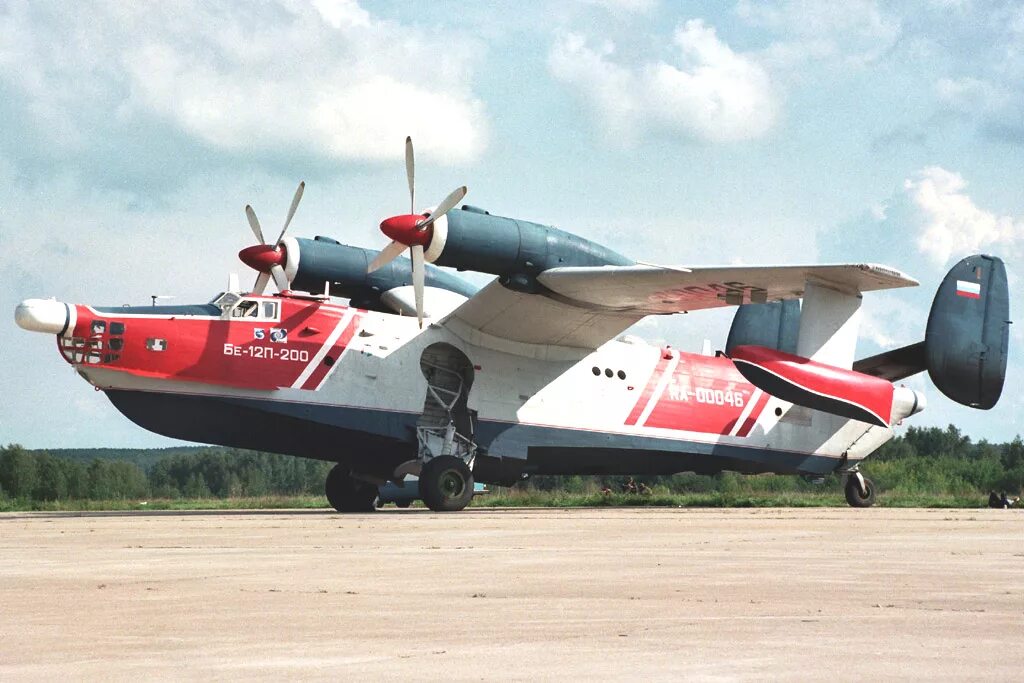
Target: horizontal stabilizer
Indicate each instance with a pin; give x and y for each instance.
(804, 382)
(896, 364)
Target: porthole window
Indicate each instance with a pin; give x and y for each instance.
(778, 412)
(622, 375)
(596, 370)
(608, 372)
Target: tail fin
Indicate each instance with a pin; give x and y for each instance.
(966, 340)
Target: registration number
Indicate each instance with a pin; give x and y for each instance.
(267, 352)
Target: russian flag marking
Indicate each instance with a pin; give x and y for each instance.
(971, 290)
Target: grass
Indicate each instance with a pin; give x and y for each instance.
(521, 498)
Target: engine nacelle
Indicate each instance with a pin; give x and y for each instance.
(514, 250)
(309, 264)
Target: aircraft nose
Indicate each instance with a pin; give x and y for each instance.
(43, 315)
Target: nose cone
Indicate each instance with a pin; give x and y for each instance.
(404, 230)
(262, 256)
(43, 315)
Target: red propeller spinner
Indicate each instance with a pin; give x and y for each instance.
(413, 231)
(268, 260)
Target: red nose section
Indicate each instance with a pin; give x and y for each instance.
(262, 256)
(403, 230)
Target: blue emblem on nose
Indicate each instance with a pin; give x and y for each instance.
(259, 333)
(279, 335)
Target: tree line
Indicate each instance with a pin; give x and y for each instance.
(197, 473)
(925, 460)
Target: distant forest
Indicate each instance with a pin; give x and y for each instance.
(926, 461)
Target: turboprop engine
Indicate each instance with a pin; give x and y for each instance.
(964, 351)
(465, 238)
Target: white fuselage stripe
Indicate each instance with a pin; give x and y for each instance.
(658, 390)
(754, 398)
(319, 357)
(337, 361)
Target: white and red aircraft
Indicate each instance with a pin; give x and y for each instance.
(528, 375)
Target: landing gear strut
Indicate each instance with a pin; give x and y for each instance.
(446, 484)
(346, 494)
(860, 491)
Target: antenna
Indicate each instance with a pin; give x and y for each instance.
(154, 297)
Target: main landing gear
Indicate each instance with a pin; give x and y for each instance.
(860, 491)
(347, 494)
(446, 484)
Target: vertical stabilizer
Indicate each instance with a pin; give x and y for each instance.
(829, 321)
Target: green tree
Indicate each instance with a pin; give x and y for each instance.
(18, 473)
(51, 482)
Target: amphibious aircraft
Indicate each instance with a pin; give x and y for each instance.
(530, 374)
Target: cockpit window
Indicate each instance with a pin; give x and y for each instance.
(246, 309)
(270, 310)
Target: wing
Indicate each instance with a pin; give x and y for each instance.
(495, 316)
(585, 307)
(654, 289)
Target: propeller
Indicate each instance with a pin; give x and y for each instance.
(413, 231)
(263, 257)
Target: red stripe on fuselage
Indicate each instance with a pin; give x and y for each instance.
(335, 353)
(648, 392)
(751, 420)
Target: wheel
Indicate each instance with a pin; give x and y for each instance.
(853, 493)
(403, 504)
(446, 484)
(346, 494)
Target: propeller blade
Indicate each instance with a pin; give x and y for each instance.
(386, 256)
(410, 174)
(254, 224)
(280, 279)
(261, 283)
(447, 205)
(417, 280)
(291, 212)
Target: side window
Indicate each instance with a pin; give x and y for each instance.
(246, 309)
(116, 328)
(270, 310)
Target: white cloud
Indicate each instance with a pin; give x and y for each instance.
(970, 94)
(708, 92)
(854, 31)
(633, 6)
(326, 79)
(952, 224)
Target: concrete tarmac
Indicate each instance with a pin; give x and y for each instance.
(514, 594)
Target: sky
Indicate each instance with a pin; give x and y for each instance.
(690, 133)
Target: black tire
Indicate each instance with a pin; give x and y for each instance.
(446, 484)
(346, 494)
(403, 504)
(854, 496)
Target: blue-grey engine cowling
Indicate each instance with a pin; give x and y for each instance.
(514, 250)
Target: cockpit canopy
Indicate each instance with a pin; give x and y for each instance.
(234, 305)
